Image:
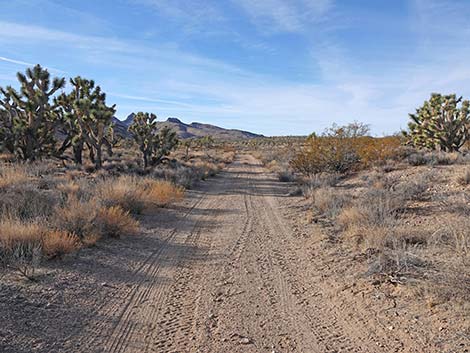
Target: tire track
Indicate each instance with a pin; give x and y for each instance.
(135, 322)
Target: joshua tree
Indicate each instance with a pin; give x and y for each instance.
(7, 139)
(154, 145)
(87, 120)
(166, 141)
(187, 144)
(27, 123)
(69, 127)
(144, 132)
(442, 122)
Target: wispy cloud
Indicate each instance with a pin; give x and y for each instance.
(351, 83)
(24, 63)
(285, 15)
(13, 61)
(192, 16)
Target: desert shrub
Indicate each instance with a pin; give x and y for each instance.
(20, 245)
(325, 154)
(377, 151)
(454, 233)
(161, 193)
(343, 149)
(393, 260)
(27, 202)
(204, 169)
(323, 180)
(433, 158)
(380, 207)
(375, 210)
(125, 192)
(417, 159)
(180, 175)
(11, 175)
(115, 222)
(414, 189)
(76, 217)
(59, 243)
(329, 201)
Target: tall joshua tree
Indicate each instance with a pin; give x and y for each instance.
(28, 120)
(144, 132)
(153, 144)
(442, 122)
(87, 120)
(7, 139)
(166, 141)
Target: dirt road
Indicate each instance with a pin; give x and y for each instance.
(225, 273)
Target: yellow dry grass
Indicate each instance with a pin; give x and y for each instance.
(11, 175)
(57, 243)
(14, 233)
(124, 191)
(76, 217)
(162, 193)
(115, 222)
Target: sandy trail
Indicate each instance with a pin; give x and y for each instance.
(226, 274)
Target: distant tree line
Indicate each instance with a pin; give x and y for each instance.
(39, 121)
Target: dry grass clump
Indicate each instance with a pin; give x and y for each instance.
(11, 175)
(179, 175)
(454, 233)
(321, 180)
(161, 193)
(58, 243)
(134, 194)
(374, 221)
(451, 277)
(89, 221)
(329, 201)
(205, 169)
(77, 217)
(114, 222)
(20, 245)
(24, 243)
(125, 192)
(27, 202)
(417, 158)
(69, 188)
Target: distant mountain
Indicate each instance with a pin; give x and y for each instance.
(185, 131)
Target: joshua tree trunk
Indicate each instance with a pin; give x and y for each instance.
(146, 162)
(98, 160)
(78, 152)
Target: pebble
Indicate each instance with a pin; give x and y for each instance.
(245, 340)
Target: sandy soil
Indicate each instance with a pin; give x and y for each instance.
(231, 269)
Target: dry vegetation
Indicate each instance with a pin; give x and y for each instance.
(49, 209)
(403, 212)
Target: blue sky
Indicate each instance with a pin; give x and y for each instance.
(271, 66)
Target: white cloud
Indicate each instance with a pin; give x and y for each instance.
(13, 61)
(172, 82)
(285, 15)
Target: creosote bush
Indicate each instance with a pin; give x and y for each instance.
(344, 149)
